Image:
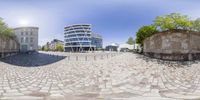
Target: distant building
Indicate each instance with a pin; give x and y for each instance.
(55, 42)
(97, 41)
(137, 47)
(125, 47)
(128, 47)
(112, 47)
(27, 38)
(79, 38)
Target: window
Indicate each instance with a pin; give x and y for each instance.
(31, 33)
(22, 40)
(31, 39)
(22, 33)
(31, 46)
(26, 39)
(26, 33)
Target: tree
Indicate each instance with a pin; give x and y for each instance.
(196, 25)
(59, 47)
(5, 31)
(43, 48)
(130, 41)
(144, 32)
(173, 21)
(46, 49)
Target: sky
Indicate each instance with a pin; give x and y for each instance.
(115, 20)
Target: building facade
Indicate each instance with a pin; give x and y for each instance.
(96, 40)
(112, 47)
(127, 47)
(27, 38)
(54, 43)
(80, 38)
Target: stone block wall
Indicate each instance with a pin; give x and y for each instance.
(173, 45)
(8, 46)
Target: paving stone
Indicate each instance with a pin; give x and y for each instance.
(22, 98)
(56, 97)
(125, 76)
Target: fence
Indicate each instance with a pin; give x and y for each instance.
(8, 46)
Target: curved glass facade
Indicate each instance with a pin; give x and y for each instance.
(80, 38)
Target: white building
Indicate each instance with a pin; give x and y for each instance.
(127, 47)
(27, 38)
(112, 47)
(136, 46)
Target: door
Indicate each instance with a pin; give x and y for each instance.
(24, 48)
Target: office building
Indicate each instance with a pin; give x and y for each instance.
(80, 38)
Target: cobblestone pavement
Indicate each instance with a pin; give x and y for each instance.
(121, 77)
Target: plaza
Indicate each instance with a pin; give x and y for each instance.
(97, 76)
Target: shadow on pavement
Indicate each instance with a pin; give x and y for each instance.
(32, 60)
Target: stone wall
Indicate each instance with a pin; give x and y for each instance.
(8, 46)
(174, 45)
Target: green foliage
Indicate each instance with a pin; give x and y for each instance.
(196, 25)
(5, 31)
(43, 47)
(59, 47)
(173, 21)
(46, 49)
(144, 32)
(130, 41)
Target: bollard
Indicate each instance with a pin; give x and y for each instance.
(94, 57)
(68, 57)
(76, 58)
(85, 58)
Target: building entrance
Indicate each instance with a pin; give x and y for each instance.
(24, 48)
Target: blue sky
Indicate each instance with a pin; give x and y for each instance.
(115, 20)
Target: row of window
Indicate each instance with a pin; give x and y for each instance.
(79, 31)
(26, 29)
(78, 43)
(75, 35)
(97, 43)
(79, 28)
(26, 40)
(26, 33)
(77, 39)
